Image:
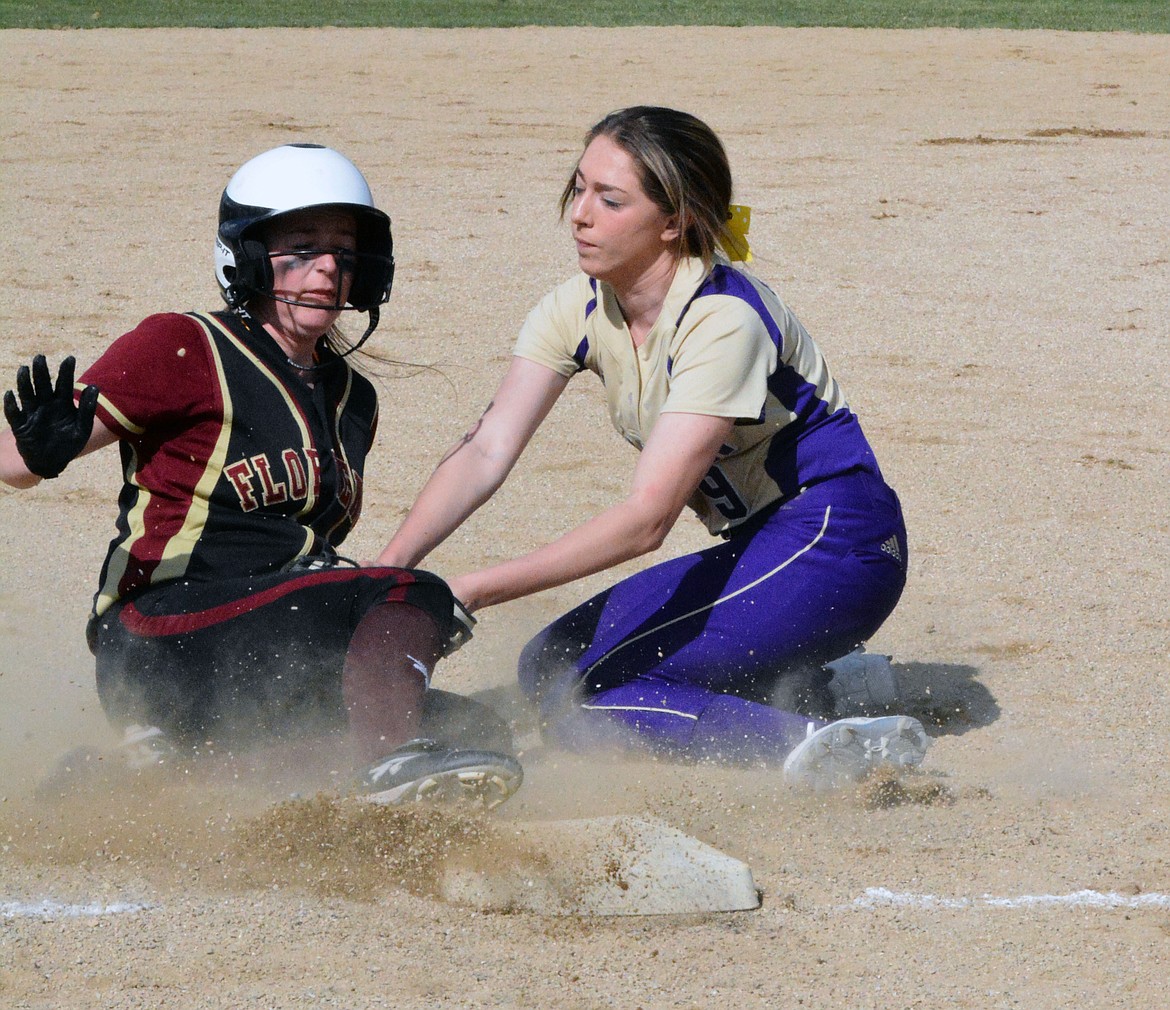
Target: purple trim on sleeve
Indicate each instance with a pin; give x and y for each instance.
(724, 280)
(819, 443)
(580, 352)
(583, 347)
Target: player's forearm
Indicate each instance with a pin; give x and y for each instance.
(626, 531)
(426, 526)
(13, 472)
(478, 463)
(460, 484)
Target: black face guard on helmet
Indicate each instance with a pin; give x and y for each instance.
(250, 272)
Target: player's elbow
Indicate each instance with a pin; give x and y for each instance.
(652, 539)
(484, 462)
(20, 481)
(652, 525)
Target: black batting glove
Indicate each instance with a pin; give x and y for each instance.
(50, 429)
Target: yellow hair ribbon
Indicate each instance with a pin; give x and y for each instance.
(735, 242)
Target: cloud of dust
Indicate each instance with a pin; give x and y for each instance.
(273, 816)
(48, 704)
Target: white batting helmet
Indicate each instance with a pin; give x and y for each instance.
(291, 178)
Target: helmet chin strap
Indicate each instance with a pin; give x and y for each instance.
(375, 314)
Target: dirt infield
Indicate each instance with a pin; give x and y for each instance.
(973, 225)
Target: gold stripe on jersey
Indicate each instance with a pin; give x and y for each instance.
(119, 418)
(294, 408)
(180, 547)
(120, 558)
(345, 473)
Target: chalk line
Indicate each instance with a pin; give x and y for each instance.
(872, 898)
(881, 897)
(46, 909)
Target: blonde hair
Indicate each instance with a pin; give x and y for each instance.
(683, 168)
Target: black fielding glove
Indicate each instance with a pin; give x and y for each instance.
(50, 429)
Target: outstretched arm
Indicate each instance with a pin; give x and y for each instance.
(475, 467)
(47, 430)
(675, 460)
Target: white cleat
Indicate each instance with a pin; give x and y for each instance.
(862, 682)
(846, 751)
(145, 747)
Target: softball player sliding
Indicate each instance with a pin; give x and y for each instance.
(735, 414)
(223, 608)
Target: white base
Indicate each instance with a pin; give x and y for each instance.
(608, 866)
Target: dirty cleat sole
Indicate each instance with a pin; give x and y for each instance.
(846, 751)
(429, 774)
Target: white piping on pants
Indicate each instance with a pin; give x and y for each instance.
(640, 708)
(723, 599)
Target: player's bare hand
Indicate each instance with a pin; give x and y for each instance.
(50, 429)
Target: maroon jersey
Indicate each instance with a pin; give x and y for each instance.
(232, 465)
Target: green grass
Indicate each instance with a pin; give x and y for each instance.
(1071, 15)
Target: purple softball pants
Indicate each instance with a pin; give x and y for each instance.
(683, 657)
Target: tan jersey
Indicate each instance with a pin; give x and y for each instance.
(723, 345)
